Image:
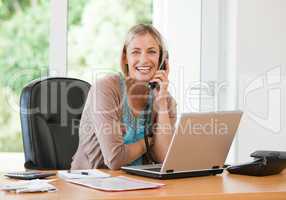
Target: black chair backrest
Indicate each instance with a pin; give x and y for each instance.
(50, 111)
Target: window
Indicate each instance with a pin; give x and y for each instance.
(24, 45)
(96, 31)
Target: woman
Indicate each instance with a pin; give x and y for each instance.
(120, 107)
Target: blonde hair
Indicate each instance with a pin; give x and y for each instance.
(142, 29)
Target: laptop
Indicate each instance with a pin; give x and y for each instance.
(199, 147)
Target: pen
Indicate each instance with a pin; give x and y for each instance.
(82, 173)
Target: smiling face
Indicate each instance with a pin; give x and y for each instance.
(142, 57)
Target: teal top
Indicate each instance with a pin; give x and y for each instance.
(135, 126)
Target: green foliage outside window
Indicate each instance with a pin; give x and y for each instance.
(96, 41)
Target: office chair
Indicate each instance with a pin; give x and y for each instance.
(50, 112)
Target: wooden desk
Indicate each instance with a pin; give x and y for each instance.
(225, 186)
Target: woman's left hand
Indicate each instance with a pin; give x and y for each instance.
(161, 92)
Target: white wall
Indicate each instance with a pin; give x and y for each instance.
(244, 45)
(261, 62)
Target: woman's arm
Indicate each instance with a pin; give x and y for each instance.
(164, 129)
(105, 118)
(166, 116)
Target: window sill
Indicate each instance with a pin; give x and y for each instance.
(11, 161)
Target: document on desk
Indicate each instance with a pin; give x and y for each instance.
(116, 184)
(82, 174)
(29, 186)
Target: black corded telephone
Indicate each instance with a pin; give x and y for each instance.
(162, 66)
(265, 163)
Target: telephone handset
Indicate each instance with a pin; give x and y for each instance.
(162, 66)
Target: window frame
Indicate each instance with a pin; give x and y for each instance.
(58, 38)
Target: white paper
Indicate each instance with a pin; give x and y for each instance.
(80, 174)
(119, 183)
(29, 186)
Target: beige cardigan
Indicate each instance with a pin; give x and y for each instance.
(100, 137)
